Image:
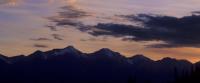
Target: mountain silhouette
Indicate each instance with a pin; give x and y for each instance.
(70, 65)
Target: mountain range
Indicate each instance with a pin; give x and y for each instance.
(70, 65)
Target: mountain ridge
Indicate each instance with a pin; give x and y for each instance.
(70, 65)
(72, 49)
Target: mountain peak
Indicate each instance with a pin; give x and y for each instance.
(2, 56)
(106, 52)
(71, 49)
(168, 58)
(3, 59)
(173, 60)
(139, 58)
(38, 55)
(37, 52)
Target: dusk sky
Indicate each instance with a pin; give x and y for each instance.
(155, 28)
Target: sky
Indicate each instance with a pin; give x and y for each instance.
(155, 28)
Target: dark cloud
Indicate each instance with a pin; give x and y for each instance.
(41, 39)
(94, 39)
(174, 32)
(40, 46)
(69, 16)
(72, 12)
(57, 37)
(52, 28)
(196, 12)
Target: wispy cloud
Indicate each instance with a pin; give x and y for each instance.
(40, 46)
(52, 28)
(57, 37)
(41, 39)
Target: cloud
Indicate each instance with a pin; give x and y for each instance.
(52, 28)
(69, 16)
(174, 32)
(57, 37)
(40, 46)
(41, 39)
(196, 12)
(94, 39)
(72, 12)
